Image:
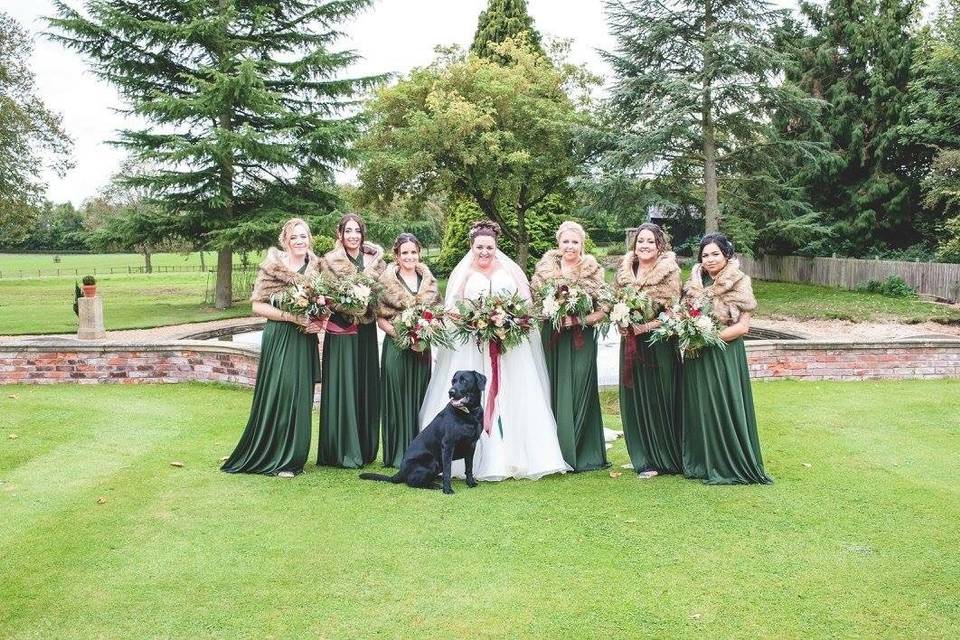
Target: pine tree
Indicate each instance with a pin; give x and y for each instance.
(694, 91)
(856, 55)
(503, 20)
(244, 106)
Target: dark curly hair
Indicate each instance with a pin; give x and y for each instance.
(404, 238)
(723, 243)
(659, 237)
(484, 228)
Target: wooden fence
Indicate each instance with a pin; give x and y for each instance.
(931, 278)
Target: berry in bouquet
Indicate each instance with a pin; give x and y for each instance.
(691, 324)
(556, 300)
(421, 327)
(501, 320)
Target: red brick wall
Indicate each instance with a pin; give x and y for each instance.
(853, 361)
(126, 366)
(179, 361)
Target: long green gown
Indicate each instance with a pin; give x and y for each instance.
(406, 374)
(277, 435)
(574, 395)
(720, 442)
(350, 396)
(649, 405)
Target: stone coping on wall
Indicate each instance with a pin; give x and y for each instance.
(53, 360)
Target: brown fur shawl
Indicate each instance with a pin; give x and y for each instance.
(661, 282)
(337, 264)
(395, 297)
(730, 294)
(273, 275)
(588, 274)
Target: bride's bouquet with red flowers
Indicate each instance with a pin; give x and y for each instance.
(691, 324)
(557, 300)
(502, 320)
(421, 327)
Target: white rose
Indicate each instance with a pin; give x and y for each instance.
(705, 324)
(362, 292)
(620, 313)
(406, 316)
(550, 307)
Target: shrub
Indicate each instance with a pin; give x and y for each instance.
(322, 244)
(89, 280)
(893, 287)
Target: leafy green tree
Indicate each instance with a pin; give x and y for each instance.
(856, 56)
(501, 21)
(466, 127)
(694, 92)
(28, 130)
(244, 106)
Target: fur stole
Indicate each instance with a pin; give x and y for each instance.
(273, 275)
(588, 274)
(338, 265)
(730, 294)
(661, 282)
(395, 297)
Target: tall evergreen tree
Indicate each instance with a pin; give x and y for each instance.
(856, 55)
(503, 20)
(244, 106)
(694, 89)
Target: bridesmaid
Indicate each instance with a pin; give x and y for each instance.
(720, 443)
(406, 282)
(649, 375)
(276, 439)
(571, 353)
(350, 398)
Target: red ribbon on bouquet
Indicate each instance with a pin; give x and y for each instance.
(334, 329)
(494, 386)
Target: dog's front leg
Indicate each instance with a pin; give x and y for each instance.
(446, 454)
(468, 463)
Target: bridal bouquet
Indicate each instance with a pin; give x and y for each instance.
(420, 327)
(691, 324)
(630, 306)
(502, 320)
(557, 300)
(307, 298)
(352, 295)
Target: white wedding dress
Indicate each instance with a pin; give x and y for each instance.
(523, 439)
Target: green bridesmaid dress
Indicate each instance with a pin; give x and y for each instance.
(406, 374)
(277, 435)
(349, 397)
(574, 395)
(720, 442)
(649, 404)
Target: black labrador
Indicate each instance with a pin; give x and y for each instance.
(450, 436)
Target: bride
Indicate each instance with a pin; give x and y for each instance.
(522, 442)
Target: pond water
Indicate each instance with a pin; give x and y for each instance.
(608, 350)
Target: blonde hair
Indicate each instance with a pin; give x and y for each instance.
(575, 227)
(288, 227)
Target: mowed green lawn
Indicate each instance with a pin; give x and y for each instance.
(101, 537)
(32, 265)
(45, 305)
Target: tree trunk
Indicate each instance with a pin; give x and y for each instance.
(203, 264)
(711, 209)
(523, 240)
(148, 267)
(224, 291)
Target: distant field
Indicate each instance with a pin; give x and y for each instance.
(24, 265)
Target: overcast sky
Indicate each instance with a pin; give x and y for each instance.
(395, 36)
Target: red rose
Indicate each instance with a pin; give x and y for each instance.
(694, 313)
(427, 315)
